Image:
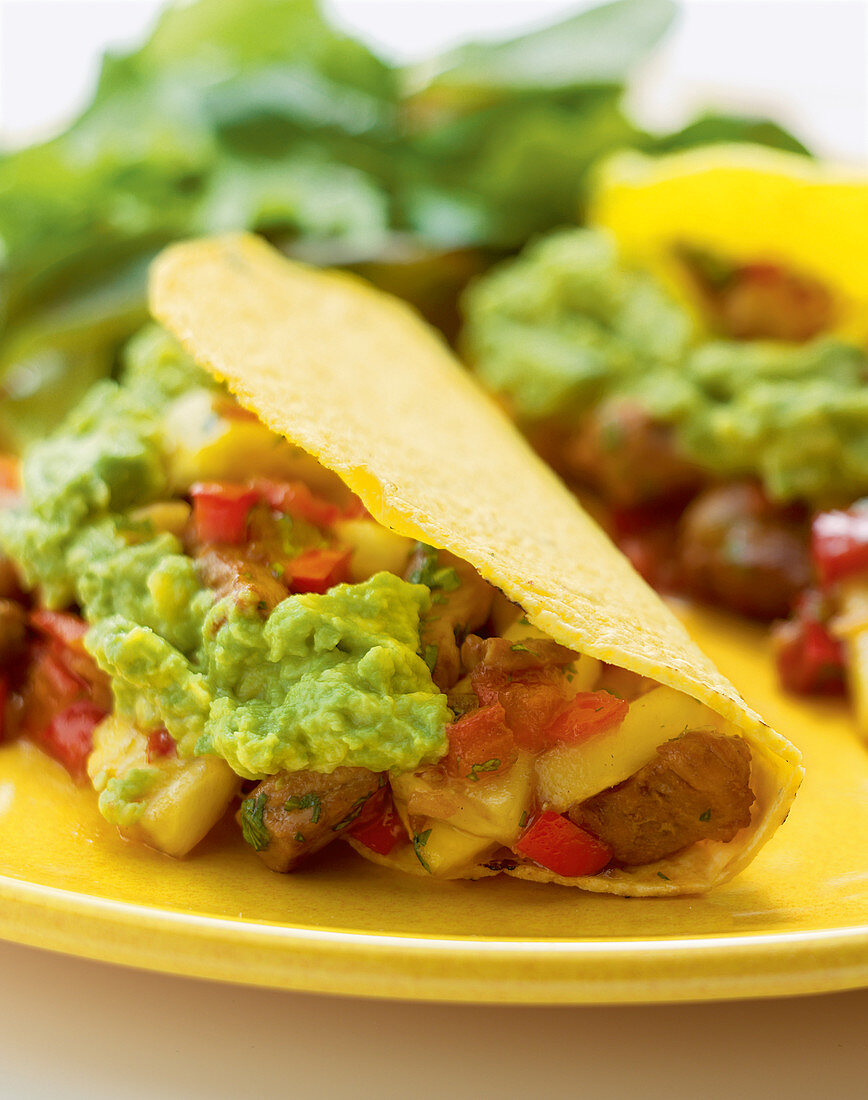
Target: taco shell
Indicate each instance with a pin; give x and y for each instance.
(357, 379)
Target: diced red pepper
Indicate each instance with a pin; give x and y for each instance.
(69, 735)
(379, 827)
(63, 627)
(587, 714)
(480, 745)
(221, 510)
(318, 570)
(839, 543)
(295, 499)
(810, 660)
(555, 843)
(160, 743)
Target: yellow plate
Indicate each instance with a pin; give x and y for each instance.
(795, 922)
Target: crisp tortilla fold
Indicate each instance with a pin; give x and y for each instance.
(357, 379)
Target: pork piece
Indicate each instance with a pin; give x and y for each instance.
(626, 456)
(460, 604)
(10, 587)
(13, 630)
(228, 570)
(514, 656)
(741, 551)
(697, 788)
(289, 816)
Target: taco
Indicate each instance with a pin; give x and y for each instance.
(695, 364)
(319, 570)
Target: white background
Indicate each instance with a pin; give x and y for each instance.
(75, 1029)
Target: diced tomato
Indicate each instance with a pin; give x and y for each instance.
(839, 543)
(379, 827)
(318, 570)
(160, 743)
(588, 713)
(295, 499)
(810, 660)
(63, 627)
(480, 744)
(69, 735)
(221, 510)
(354, 509)
(555, 843)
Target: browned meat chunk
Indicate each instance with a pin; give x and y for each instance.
(514, 656)
(698, 788)
(10, 587)
(229, 570)
(739, 550)
(289, 816)
(461, 603)
(13, 630)
(625, 456)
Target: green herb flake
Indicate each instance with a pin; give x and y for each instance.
(308, 801)
(419, 842)
(519, 648)
(253, 827)
(661, 875)
(705, 815)
(355, 810)
(524, 620)
(299, 838)
(430, 573)
(430, 656)
(489, 766)
(522, 821)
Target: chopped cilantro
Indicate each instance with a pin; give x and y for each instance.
(522, 821)
(524, 620)
(705, 815)
(489, 766)
(299, 837)
(661, 875)
(419, 842)
(430, 656)
(429, 572)
(519, 648)
(253, 827)
(355, 810)
(305, 802)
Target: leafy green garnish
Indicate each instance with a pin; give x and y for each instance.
(522, 821)
(477, 769)
(308, 801)
(705, 815)
(519, 648)
(253, 827)
(354, 812)
(300, 838)
(430, 656)
(428, 570)
(419, 842)
(661, 875)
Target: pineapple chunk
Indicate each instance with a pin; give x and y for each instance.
(165, 515)
(491, 808)
(375, 548)
(571, 773)
(445, 852)
(169, 803)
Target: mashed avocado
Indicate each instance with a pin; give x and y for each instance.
(567, 324)
(323, 680)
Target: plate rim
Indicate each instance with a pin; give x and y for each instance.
(535, 970)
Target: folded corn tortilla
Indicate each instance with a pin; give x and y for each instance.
(357, 379)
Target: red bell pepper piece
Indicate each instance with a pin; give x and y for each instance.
(160, 743)
(295, 499)
(555, 843)
(810, 660)
(69, 735)
(63, 627)
(588, 713)
(221, 510)
(379, 828)
(839, 543)
(480, 744)
(318, 570)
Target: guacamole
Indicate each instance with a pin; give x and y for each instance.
(321, 681)
(567, 325)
